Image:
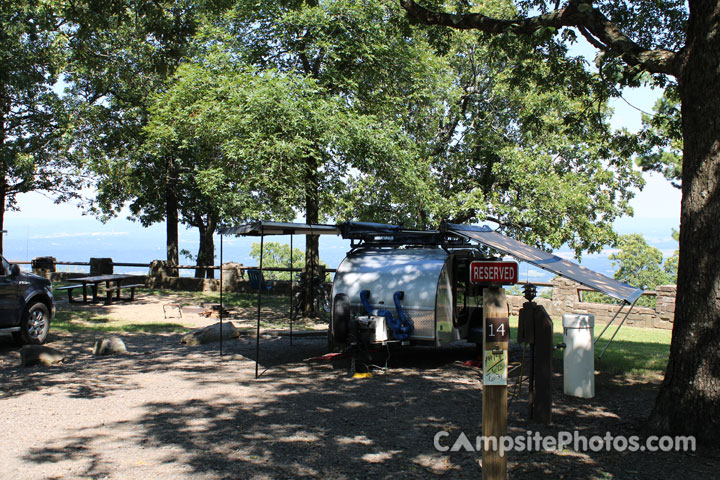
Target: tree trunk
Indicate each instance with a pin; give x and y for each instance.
(206, 251)
(689, 398)
(171, 222)
(312, 257)
(200, 261)
(3, 180)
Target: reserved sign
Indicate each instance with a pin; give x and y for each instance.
(497, 272)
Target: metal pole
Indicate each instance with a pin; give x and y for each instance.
(259, 302)
(291, 289)
(618, 329)
(221, 295)
(611, 322)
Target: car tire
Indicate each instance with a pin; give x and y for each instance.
(340, 319)
(35, 324)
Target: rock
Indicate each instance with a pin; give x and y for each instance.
(39, 355)
(110, 346)
(210, 334)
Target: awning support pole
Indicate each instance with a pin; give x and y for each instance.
(611, 322)
(221, 296)
(618, 329)
(291, 290)
(259, 302)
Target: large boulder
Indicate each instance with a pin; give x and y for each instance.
(40, 355)
(110, 346)
(210, 334)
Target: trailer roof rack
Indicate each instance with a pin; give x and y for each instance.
(378, 235)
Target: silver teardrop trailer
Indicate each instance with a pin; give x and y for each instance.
(405, 286)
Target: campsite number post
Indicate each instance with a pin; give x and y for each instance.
(495, 369)
(496, 339)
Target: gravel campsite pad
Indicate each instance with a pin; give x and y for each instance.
(170, 411)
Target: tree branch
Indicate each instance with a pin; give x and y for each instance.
(596, 27)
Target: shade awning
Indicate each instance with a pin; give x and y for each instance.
(547, 261)
(255, 229)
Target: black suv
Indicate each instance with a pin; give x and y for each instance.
(26, 304)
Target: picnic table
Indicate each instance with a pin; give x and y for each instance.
(113, 285)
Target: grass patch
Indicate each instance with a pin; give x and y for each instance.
(70, 322)
(70, 327)
(279, 303)
(634, 351)
(87, 320)
(63, 317)
(239, 300)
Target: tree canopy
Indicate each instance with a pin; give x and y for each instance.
(517, 144)
(446, 99)
(660, 140)
(121, 54)
(277, 255)
(32, 116)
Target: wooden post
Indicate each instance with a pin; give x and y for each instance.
(542, 402)
(496, 338)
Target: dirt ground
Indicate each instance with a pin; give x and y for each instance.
(168, 411)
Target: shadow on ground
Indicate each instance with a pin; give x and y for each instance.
(308, 419)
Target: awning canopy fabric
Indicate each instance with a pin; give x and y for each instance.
(547, 261)
(480, 234)
(255, 229)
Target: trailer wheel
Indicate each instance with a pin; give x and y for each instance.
(340, 319)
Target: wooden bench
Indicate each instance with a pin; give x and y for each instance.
(69, 289)
(111, 290)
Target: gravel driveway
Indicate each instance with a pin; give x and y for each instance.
(168, 411)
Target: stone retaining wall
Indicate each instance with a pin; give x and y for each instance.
(566, 299)
(234, 280)
(565, 294)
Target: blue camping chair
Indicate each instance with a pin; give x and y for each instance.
(257, 281)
